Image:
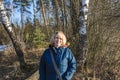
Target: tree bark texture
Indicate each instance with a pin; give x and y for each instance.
(57, 13)
(8, 28)
(84, 4)
(43, 12)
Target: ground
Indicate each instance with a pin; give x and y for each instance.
(10, 70)
(9, 64)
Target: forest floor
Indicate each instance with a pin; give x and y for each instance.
(10, 68)
(9, 64)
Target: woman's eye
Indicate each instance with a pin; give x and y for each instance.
(58, 38)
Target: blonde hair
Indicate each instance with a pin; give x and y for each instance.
(59, 33)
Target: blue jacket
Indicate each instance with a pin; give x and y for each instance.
(65, 61)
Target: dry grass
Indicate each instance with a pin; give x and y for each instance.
(9, 65)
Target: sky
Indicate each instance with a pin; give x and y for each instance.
(15, 13)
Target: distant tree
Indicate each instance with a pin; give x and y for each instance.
(57, 11)
(44, 16)
(34, 13)
(24, 7)
(43, 12)
(63, 18)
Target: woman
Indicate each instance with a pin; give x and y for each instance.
(64, 59)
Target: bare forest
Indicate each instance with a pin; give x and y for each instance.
(92, 28)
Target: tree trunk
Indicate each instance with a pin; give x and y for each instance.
(34, 11)
(63, 16)
(74, 16)
(44, 16)
(57, 13)
(22, 22)
(82, 32)
(43, 12)
(8, 28)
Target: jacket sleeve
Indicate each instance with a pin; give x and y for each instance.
(71, 66)
(42, 67)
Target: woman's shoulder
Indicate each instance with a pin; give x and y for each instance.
(46, 51)
(67, 48)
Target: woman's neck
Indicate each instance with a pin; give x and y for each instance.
(56, 46)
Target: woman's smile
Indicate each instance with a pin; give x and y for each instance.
(58, 41)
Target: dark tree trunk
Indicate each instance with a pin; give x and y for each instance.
(10, 32)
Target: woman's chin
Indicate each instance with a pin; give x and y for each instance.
(57, 46)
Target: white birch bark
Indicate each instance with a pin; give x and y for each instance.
(82, 29)
(83, 16)
(4, 18)
(8, 28)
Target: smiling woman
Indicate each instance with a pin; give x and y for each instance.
(58, 39)
(57, 61)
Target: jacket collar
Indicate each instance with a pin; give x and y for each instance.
(56, 50)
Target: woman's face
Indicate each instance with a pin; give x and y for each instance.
(58, 41)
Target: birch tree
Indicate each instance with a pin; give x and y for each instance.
(8, 28)
(82, 30)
